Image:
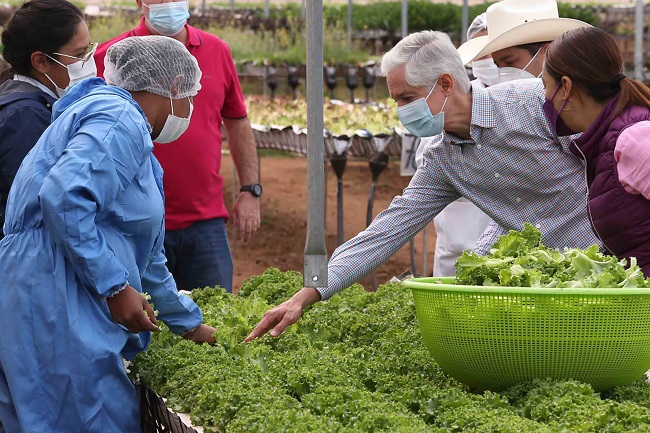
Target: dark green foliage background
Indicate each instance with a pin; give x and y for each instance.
(423, 15)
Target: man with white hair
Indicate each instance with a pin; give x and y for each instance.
(513, 50)
(494, 146)
(461, 224)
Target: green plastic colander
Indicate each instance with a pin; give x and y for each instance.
(495, 337)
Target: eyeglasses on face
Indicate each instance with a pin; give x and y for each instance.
(90, 52)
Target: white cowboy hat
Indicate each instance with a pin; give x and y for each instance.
(518, 22)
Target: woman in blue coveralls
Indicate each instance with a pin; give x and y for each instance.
(84, 235)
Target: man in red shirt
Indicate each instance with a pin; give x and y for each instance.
(196, 241)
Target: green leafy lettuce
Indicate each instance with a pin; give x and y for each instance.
(519, 259)
(357, 364)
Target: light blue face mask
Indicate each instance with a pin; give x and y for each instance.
(168, 19)
(418, 120)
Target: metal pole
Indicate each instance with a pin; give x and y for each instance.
(349, 22)
(414, 269)
(647, 46)
(234, 185)
(315, 266)
(259, 165)
(302, 9)
(232, 7)
(203, 7)
(264, 75)
(465, 22)
(325, 194)
(266, 9)
(371, 200)
(340, 236)
(638, 41)
(235, 192)
(425, 234)
(405, 18)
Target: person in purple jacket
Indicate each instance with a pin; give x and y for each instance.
(587, 91)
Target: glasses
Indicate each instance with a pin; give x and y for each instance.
(90, 53)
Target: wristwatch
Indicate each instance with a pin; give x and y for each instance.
(255, 189)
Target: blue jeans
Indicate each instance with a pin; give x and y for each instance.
(199, 256)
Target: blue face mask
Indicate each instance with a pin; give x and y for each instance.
(168, 19)
(418, 120)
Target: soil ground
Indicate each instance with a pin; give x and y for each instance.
(280, 241)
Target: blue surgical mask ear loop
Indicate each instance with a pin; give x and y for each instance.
(443, 104)
(430, 92)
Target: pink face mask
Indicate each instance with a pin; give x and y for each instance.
(557, 124)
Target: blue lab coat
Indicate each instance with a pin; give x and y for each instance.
(85, 214)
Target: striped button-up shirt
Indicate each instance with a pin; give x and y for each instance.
(514, 168)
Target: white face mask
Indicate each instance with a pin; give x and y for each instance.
(174, 126)
(509, 74)
(78, 71)
(485, 70)
(503, 75)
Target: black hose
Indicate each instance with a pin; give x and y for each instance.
(377, 163)
(338, 165)
(339, 213)
(371, 202)
(414, 269)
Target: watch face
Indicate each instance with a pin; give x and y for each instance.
(257, 190)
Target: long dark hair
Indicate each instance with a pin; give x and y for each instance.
(38, 25)
(591, 58)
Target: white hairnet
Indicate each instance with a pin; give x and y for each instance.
(478, 25)
(155, 64)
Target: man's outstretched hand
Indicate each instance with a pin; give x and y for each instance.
(278, 318)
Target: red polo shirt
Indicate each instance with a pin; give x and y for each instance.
(193, 185)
